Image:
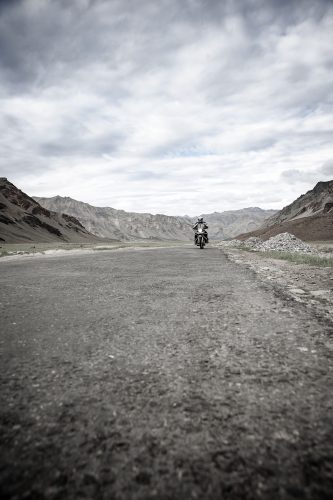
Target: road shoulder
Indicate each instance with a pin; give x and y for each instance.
(311, 286)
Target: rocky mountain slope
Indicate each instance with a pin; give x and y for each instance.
(317, 201)
(22, 220)
(228, 224)
(111, 223)
(310, 217)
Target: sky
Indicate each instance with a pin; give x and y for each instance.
(167, 106)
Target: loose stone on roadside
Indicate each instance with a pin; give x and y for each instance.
(283, 242)
(306, 283)
(320, 293)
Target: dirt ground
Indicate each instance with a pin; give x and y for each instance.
(312, 228)
(310, 285)
(162, 374)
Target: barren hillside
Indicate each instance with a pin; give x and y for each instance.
(111, 223)
(22, 219)
(310, 217)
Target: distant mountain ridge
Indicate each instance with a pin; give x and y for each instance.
(112, 223)
(228, 224)
(44, 219)
(22, 220)
(108, 222)
(309, 217)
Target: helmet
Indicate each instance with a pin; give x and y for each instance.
(200, 219)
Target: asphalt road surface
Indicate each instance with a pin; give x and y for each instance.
(168, 374)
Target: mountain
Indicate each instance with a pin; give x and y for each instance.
(24, 220)
(317, 201)
(228, 224)
(309, 217)
(111, 223)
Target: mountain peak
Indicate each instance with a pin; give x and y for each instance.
(23, 219)
(309, 217)
(323, 186)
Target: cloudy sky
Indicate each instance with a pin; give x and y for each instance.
(167, 106)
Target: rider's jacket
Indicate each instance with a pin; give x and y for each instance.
(198, 224)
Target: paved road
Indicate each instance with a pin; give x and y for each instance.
(168, 374)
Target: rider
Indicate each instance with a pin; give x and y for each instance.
(200, 223)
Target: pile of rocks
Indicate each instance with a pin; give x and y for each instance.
(253, 242)
(283, 242)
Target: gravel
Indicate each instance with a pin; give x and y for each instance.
(284, 242)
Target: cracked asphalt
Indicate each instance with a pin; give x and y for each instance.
(166, 374)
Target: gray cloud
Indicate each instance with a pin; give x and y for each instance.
(298, 176)
(203, 96)
(294, 176)
(327, 169)
(40, 40)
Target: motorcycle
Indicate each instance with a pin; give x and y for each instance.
(201, 237)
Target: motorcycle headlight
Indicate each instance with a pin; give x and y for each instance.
(199, 230)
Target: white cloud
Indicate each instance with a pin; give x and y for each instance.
(167, 108)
